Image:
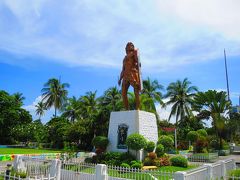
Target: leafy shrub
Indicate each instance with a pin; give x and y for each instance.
(150, 146)
(192, 136)
(202, 132)
(112, 155)
(163, 161)
(182, 145)
(234, 173)
(223, 152)
(156, 162)
(166, 141)
(99, 150)
(148, 161)
(152, 155)
(115, 158)
(159, 150)
(201, 143)
(100, 142)
(214, 144)
(133, 162)
(137, 165)
(179, 161)
(88, 160)
(125, 165)
(136, 141)
(22, 174)
(126, 157)
(225, 145)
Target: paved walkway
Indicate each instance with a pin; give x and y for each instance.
(232, 156)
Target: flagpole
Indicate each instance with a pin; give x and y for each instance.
(226, 71)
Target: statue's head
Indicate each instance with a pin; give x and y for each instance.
(129, 47)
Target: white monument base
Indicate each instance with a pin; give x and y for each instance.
(135, 121)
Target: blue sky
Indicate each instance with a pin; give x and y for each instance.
(83, 43)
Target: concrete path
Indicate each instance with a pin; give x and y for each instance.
(232, 156)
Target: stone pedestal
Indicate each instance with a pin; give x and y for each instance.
(124, 123)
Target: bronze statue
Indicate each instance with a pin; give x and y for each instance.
(130, 75)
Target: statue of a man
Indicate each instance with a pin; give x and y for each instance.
(130, 75)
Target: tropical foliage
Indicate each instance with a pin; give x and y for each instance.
(180, 95)
(54, 94)
(78, 120)
(215, 106)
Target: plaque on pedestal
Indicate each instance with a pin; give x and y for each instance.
(124, 123)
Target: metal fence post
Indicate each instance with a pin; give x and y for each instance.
(223, 166)
(180, 175)
(53, 168)
(58, 174)
(209, 170)
(101, 172)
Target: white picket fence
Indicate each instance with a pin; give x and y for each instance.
(86, 171)
(206, 158)
(207, 171)
(135, 173)
(15, 177)
(37, 168)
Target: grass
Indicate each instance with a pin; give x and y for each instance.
(26, 151)
(142, 175)
(175, 168)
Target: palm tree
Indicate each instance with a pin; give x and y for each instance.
(19, 98)
(90, 104)
(151, 94)
(180, 95)
(40, 109)
(112, 99)
(90, 110)
(54, 94)
(73, 109)
(214, 105)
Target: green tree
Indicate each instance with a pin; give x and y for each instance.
(54, 94)
(213, 105)
(89, 105)
(57, 131)
(77, 133)
(166, 141)
(19, 98)
(152, 90)
(112, 99)
(90, 113)
(136, 142)
(33, 131)
(233, 127)
(11, 115)
(180, 95)
(73, 109)
(40, 109)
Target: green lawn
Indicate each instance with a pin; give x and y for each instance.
(175, 168)
(138, 175)
(26, 151)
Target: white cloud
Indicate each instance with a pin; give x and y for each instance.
(164, 112)
(94, 33)
(32, 109)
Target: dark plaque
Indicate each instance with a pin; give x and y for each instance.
(122, 136)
